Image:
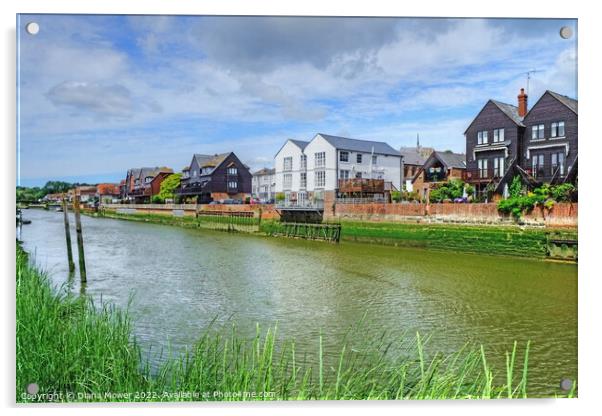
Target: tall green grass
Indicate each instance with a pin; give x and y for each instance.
(75, 351)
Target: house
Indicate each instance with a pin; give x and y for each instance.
(439, 167)
(215, 177)
(86, 193)
(413, 159)
(264, 184)
(322, 167)
(56, 197)
(539, 145)
(108, 193)
(138, 183)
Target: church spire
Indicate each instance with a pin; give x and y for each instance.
(418, 140)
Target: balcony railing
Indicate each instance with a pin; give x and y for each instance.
(303, 204)
(476, 175)
(435, 176)
(362, 185)
(195, 189)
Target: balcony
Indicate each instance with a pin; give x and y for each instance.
(481, 175)
(435, 176)
(362, 185)
(192, 189)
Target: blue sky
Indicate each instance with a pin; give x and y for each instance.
(101, 94)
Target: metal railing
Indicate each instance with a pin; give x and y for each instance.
(305, 204)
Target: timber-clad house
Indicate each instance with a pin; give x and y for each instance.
(214, 178)
(142, 183)
(539, 145)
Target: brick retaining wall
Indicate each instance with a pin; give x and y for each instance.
(563, 214)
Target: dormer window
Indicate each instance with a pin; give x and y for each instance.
(148, 179)
(482, 137)
(557, 129)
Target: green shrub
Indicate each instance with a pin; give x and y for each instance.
(396, 196)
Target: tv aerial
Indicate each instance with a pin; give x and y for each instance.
(528, 74)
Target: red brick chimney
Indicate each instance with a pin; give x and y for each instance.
(522, 103)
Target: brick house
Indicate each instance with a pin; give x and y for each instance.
(439, 167)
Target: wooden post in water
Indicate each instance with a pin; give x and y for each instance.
(80, 239)
(68, 236)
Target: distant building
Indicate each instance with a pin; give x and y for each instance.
(57, 197)
(308, 171)
(86, 193)
(439, 167)
(214, 178)
(108, 193)
(413, 159)
(264, 184)
(138, 187)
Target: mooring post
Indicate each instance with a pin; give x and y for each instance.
(68, 236)
(80, 239)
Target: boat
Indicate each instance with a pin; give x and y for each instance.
(59, 209)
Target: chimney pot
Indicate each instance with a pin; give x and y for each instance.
(522, 103)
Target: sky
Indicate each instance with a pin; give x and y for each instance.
(98, 95)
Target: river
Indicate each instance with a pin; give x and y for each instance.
(179, 280)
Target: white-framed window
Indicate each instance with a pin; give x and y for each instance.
(358, 175)
(320, 179)
(482, 137)
(558, 163)
(482, 166)
(303, 162)
(557, 129)
(320, 160)
(498, 167)
(343, 174)
(498, 135)
(343, 156)
(303, 180)
(287, 163)
(232, 184)
(374, 159)
(537, 163)
(232, 171)
(358, 158)
(287, 181)
(194, 173)
(537, 132)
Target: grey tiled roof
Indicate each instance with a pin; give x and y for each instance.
(452, 160)
(414, 155)
(356, 145)
(300, 143)
(571, 103)
(511, 111)
(264, 171)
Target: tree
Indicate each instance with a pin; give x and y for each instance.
(169, 186)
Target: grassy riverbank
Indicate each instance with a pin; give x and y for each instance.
(75, 351)
(490, 239)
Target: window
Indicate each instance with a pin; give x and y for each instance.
(344, 174)
(343, 156)
(557, 129)
(538, 166)
(288, 181)
(537, 132)
(303, 162)
(482, 137)
(558, 163)
(320, 159)
(303, 182)
(232, 184)
(358, 175)
(232, 171)
(482, 165)
(374, 159)
(498, 167)
(320, 179)
(358, 158)
(498, 135)
(288, 163)
(194, 173)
